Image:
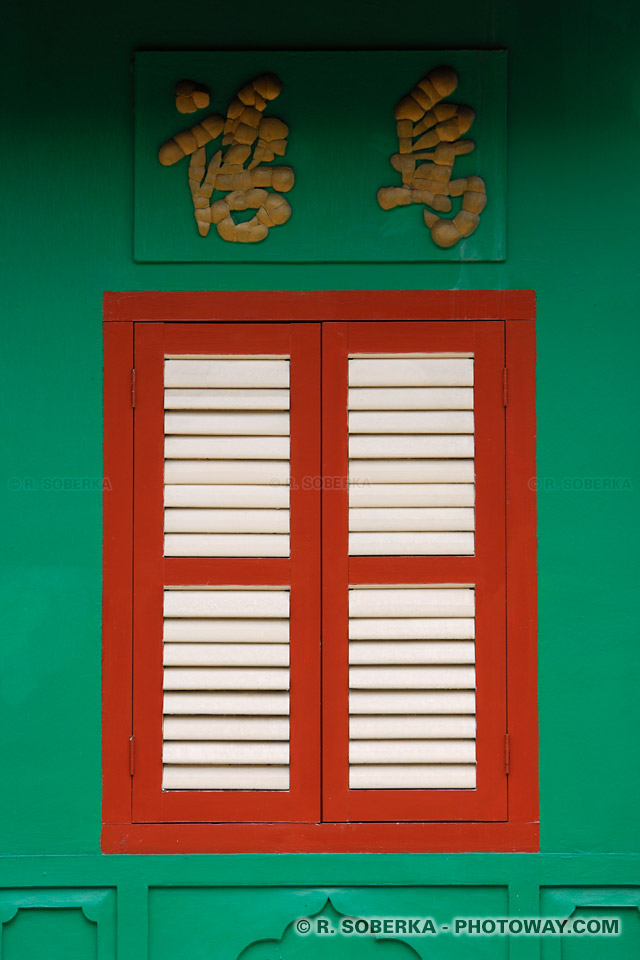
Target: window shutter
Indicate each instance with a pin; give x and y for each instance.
(226, 568)
(414, 571)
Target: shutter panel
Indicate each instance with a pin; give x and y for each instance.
(412, 698)
(226, 573)
(411, 449)
(414, 572)
(227, 457)
(226, 705)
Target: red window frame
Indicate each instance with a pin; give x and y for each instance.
(502, 814)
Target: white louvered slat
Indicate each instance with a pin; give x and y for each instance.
(412, 602)
(409, 543)
(270, 472)
(177, 751)
(413, 628)
(226, 682)
(227, 449)
(411, 445)
(223, 630)
(411, 398)
(428, 495)
(414, 651)
(365, 472)
(411, 518)
(226, 678)
(228, 654)
(410, 727)
(242, 423)
(411, 372)
(226, 399)
(413, 751)
(194, 777)
(411, 421)
(226, 728)
(226, 521)
(226, 545)
(224, 372)
(413, 777)
(411, 688)
(242, 496)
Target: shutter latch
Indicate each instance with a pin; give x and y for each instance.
(507, 753)
(132, 755)
(133, 387)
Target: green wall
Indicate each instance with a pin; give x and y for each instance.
(573, 144)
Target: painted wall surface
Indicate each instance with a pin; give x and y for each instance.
(573, 144)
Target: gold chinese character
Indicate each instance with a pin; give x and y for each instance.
(241, 171)
(423, 122)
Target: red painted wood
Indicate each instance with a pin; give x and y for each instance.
(521, 832)
(522, 606)
(293, 306)
(117, 571)
(186, 838)
(486, 570)
(301, 572)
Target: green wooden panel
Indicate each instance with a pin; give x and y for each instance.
(339, 108)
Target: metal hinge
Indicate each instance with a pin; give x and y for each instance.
(504, 386)
(507, 753)
(132, 755)
(133, 387)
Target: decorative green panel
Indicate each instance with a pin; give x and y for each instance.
(339, 108)
(611, 903)
(57, 924)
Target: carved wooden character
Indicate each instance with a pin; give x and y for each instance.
(249, 142)
(424, 122)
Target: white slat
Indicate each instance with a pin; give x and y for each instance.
(226, 521)
(412, 776)
(226, 448)
(271, 472)
(226, 373)
(227, 424)
(411, 398)
(225, 778)
(243, 496)
(226, 728)
(408, 727)
(366, 472)
(411, 372)
(412, 678)
(226, 399)
(414, 422)
(229, 753)
(445, 495)
(417, 628)
(415, 446)
(411, 518)
(226, 545)
(411, 544)
(414, 651)
(225, 678)
(411, 602)
(226, 603)
(398, 702)
(228, 655)
(228, 704)
(226, 631)
(413, 751)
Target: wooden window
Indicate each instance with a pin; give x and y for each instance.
(318, 631)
